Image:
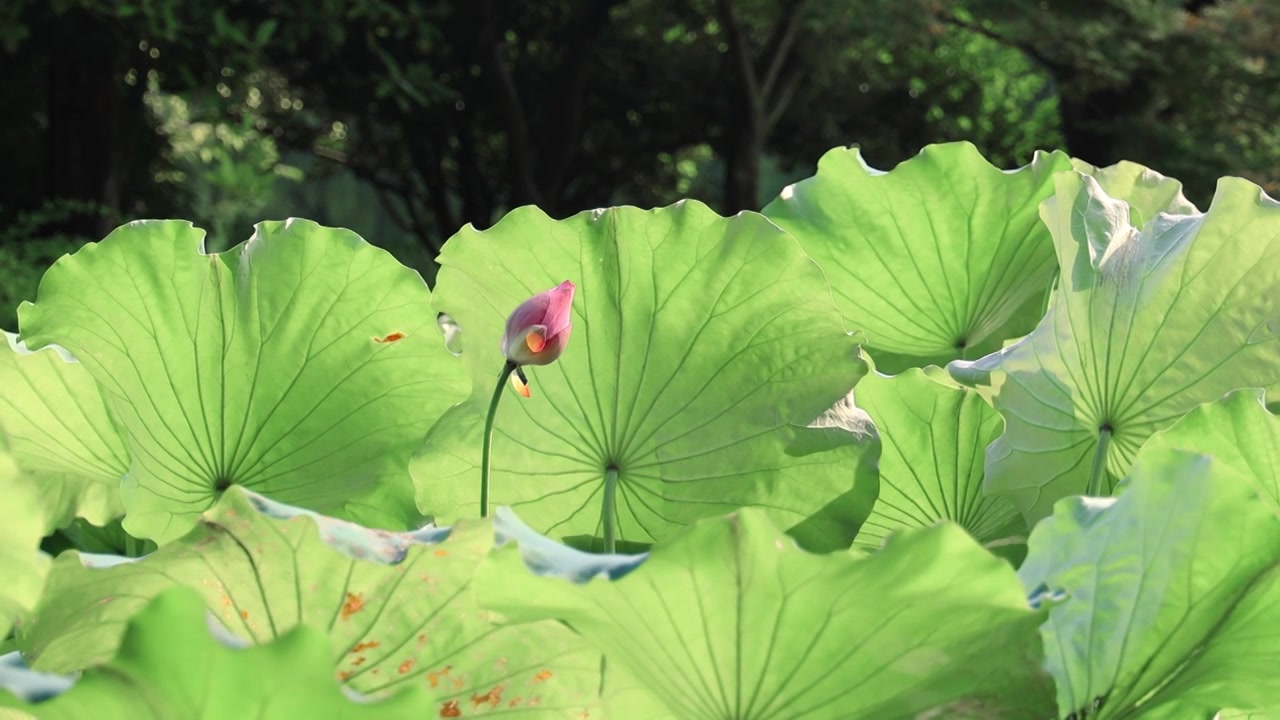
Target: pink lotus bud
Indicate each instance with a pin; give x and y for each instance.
(538, 330)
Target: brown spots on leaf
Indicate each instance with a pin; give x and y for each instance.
(226, 601)
(405, 666)
(542, 677)
(434, 677)
(441, 552)
(343, 675)
(367, 645)
(458, 682)
(422, 638)
(244, 614)
(450, 709)
(515, 701)
(393, 337)
(358, 661)
(353, 604)
(491, 698)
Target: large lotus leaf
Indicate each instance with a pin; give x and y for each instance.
(933, 434)
(397, 607)
(731, 619)
(303, 363)
(702, 349)
(942, 257)
(1172, 592)
(1143, 326)
(170, 665)
(1240, 434)
(1146, 191)
(22, 566)
(61, 434)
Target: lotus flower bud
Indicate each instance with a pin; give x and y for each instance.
(538, 330)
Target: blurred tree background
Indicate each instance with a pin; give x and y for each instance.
(404, 120)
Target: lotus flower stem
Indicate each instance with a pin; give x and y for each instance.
(610, 515)
(535, 334)
(487, 447)
(1099, 474)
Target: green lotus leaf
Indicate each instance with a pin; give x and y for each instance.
(703, 348)
(933, 434)
(303, 363)
(22, 524)
(940, 258)
(397, 607)
(623, 696)
(1143, 326)
(170, 665)
(1146, 191)
(731, 619)
(1239, 432)
(61, 434)
(1172, 593)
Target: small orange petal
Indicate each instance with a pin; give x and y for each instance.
(520, 387)
(536, 341)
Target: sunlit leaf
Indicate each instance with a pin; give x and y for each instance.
(942, 257)
(61, 434)
(1172, 593)
(702, 349)
(397, 607)
(22, 566)
(1239, 432)
(1146, 191)
(170, 665)
(1143, 326)
(730, 619)
(303, 363)
(933, 434)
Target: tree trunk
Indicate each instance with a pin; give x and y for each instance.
(763, 89)
(562, 133)
(745, 149)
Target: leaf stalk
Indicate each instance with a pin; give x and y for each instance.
(486, 449)
(1100, 463)
(610, 510)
